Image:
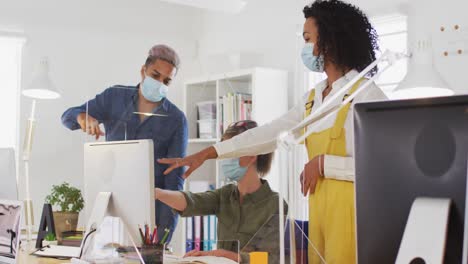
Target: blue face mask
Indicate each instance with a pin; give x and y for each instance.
(312, 62)
(153, 90)
(232, 170)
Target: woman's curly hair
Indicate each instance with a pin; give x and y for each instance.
(345, 35)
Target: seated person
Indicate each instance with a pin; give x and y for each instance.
(241, 208)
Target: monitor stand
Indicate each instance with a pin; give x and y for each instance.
(99, 211)
(97, 215)
(425, 232)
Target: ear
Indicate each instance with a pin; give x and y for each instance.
(142, 71)
(247, 161)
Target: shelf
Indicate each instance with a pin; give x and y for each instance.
(203, 140)
(259, 82)
(242, 74)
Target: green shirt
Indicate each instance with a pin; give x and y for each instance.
(236, 222)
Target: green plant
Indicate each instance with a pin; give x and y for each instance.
(68, 198)
(50, 237)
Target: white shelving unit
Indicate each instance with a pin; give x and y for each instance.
(203, 140)
(269, 90)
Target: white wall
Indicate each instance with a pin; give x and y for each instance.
(270, 27)
(91, 45)
(431, 16)
(264, 27)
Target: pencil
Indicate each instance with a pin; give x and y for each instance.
(153, 236)
(146, 234)
(141, 234)
(166, 233)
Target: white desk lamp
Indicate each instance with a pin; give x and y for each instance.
(41, 87)
(413, 80)
(422, 79)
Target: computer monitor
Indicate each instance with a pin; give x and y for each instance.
(9, 188)
(126, 169)
(10, 221)
(404, 150)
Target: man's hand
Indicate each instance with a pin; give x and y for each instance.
(217, 253)
(90, 126)
(193, 161)
(311, 174)
(157, 192)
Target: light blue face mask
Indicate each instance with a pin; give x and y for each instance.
(153, 90)
(232, 170)
(312, 62)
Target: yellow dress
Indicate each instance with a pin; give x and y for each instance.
(331, 207)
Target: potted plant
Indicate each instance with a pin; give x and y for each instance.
(69, 202)
(49, 239)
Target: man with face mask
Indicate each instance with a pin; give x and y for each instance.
(142, 112)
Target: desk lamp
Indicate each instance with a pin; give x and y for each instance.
(422, 79)
(41, 87)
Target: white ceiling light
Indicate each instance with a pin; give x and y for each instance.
(227, 6)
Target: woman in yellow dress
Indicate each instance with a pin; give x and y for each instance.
(340, 41)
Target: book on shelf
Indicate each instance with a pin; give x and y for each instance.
(234, 107)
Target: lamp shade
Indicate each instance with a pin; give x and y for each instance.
(422, 79)
(41, 87)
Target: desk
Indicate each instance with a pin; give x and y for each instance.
(26, 258)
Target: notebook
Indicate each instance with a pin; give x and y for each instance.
(197, 260)
(54, 251)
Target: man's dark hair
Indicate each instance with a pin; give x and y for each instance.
(345, 35)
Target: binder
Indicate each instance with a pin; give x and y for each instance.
(206, 230)
(214, 235)
(212, 232)
(198, 227)
(189, 234)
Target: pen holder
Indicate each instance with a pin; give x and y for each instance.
(152, 254)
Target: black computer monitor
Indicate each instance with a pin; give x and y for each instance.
(403, 150)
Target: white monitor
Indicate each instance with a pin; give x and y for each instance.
(10, 221)
(126, 169)
(8, 185)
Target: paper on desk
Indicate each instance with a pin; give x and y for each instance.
(197, 260)
(54, 251)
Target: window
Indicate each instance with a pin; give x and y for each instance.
(393, 36)
(10, 75)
